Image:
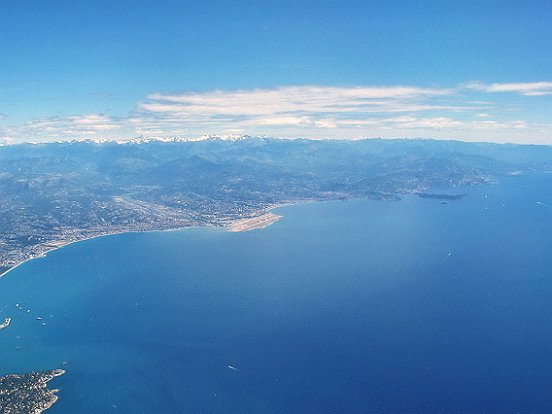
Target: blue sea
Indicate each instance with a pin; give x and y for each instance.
(361, 306)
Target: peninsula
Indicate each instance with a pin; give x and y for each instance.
(28, 393)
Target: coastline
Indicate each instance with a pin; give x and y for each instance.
(264, 219)
(61, 245)
(259, 222)
(16, 266)
(65, 244)
(28, 393)
(229, 224)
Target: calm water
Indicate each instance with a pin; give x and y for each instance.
(341, 307)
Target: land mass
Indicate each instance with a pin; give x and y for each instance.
(27, 393)
(58, 193)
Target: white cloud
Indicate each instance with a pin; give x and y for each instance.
(431, 124)
(302, 108)
(523, 88)
(62, 128)
(292, 99)
(312, 112)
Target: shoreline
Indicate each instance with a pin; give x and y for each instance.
(29, 393)
(61, 246)
(226, 225)
(248, 224)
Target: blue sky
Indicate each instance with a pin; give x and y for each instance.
(477, 71)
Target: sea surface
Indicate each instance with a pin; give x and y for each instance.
(362, 306)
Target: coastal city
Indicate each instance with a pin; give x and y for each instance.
(153, 185)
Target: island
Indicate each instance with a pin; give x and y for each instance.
(28, 393)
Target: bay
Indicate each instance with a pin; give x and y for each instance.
(361, 306)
